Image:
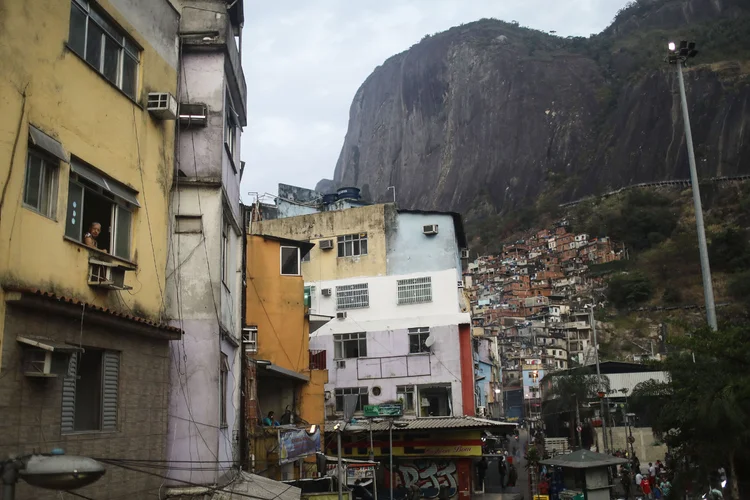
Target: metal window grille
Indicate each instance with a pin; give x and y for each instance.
(362, 392)
(415, 290)
(250, 338)
(352, 296)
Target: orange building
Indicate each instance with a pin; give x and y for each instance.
(282, 375)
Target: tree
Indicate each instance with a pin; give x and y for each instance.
(703, 412)
(571, 390)
(629, 289)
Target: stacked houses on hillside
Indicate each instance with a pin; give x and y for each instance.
(535, 299)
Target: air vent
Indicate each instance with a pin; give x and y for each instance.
(326, 292)
(162, 105)
(376, 391)
(341, 315)
(326, 245)
(430, 229)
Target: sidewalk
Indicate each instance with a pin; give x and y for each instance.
(497, 496)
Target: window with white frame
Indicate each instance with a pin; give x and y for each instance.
(350, 345)
(290, 264)
(97, 199)
(415, 290)
(250, 339)
(405, 394)
(223, 385)
(352, 296)
(40, 184)
(361, 392)
(95, 38)
(417, 338)
(352, 245)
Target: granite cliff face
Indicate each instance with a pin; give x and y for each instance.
(485, 117)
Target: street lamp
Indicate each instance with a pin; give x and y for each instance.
(679, 55)
(54, 471)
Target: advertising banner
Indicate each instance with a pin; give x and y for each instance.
(297, 443)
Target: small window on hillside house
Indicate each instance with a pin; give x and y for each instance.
(290, 261)
(231, 123)
(362, 401)
(350, 345)
(223, 378)
(415, 290)
(405, 393)
(104, 46)
(352, 245)
(417, 338)
(95, 197)
(90, 392)
(40, 185)
(352, 296)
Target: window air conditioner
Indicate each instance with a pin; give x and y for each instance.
(430, 229)
(326, 292)
(193, 114)
(107, 275)
(162, 105)
(340, 363)
(326, 244)
(341, 315)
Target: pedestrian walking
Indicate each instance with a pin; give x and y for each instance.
(627, 483)
(651, 475)
(502, 469)
(512, 475)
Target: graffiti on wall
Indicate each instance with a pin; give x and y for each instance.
(429, 475)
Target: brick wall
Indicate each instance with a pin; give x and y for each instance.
(30, 407)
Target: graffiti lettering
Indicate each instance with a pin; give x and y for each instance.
(429, 476)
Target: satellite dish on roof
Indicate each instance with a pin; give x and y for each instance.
(429, 341)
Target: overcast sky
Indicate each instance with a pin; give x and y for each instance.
(305, 59)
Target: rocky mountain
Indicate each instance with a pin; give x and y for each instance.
(490, 117)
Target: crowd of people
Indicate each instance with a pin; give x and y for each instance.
(651, 482)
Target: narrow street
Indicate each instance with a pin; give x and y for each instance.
(493, 489)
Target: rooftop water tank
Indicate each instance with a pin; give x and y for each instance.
(349, 193)
(330, 198)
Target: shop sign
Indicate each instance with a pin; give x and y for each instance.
(297, 443)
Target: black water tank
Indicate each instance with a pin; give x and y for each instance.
(330, 198)
(349, 193)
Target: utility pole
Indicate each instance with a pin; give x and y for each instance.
(679, 57)
(578, 424)
(340, 466)
(599, 377)
(390, 450)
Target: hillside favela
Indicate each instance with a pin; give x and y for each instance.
(394, 250)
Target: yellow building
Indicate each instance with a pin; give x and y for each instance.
(361, 231)
(283, 376)
(79, 147)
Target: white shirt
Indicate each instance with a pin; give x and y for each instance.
(652, 471)
(638, 479)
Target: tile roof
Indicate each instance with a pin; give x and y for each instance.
(111, 312)
(436, 423)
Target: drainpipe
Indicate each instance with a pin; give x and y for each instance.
(244, 455)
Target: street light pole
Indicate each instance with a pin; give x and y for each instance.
(678, 57)
(340, 467)
(390, 456)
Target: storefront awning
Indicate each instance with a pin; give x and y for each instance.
(280, 371)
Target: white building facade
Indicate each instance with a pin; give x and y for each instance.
(393, 338)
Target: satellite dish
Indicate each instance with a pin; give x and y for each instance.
(429, 341)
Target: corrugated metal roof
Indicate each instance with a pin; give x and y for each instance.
(259, 487)
(426, 423)
(584, 459)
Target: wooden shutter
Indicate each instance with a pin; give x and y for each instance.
(110, 383)
(68, 417)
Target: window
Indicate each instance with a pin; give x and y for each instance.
(352, 245)
(40, 185)
(89, 392)
(223, 376)
(96, 198)
(362, 400)
(350, 345)
(225, 254)
(417, 338)
(352, 296)
(104, 46)
(290, 261)
(415, 290)
(405, 394)
(250, 338)
(230, 126)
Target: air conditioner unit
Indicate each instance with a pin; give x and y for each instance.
(107, 275)
(460, 284)
(250, 339)
(193, 114)
(430, 229)
(465, 253)
(341, 315)
(340, 363)
(481, 411)
(162, 105)
(326, 292)
(326, 244)
(43, 357)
